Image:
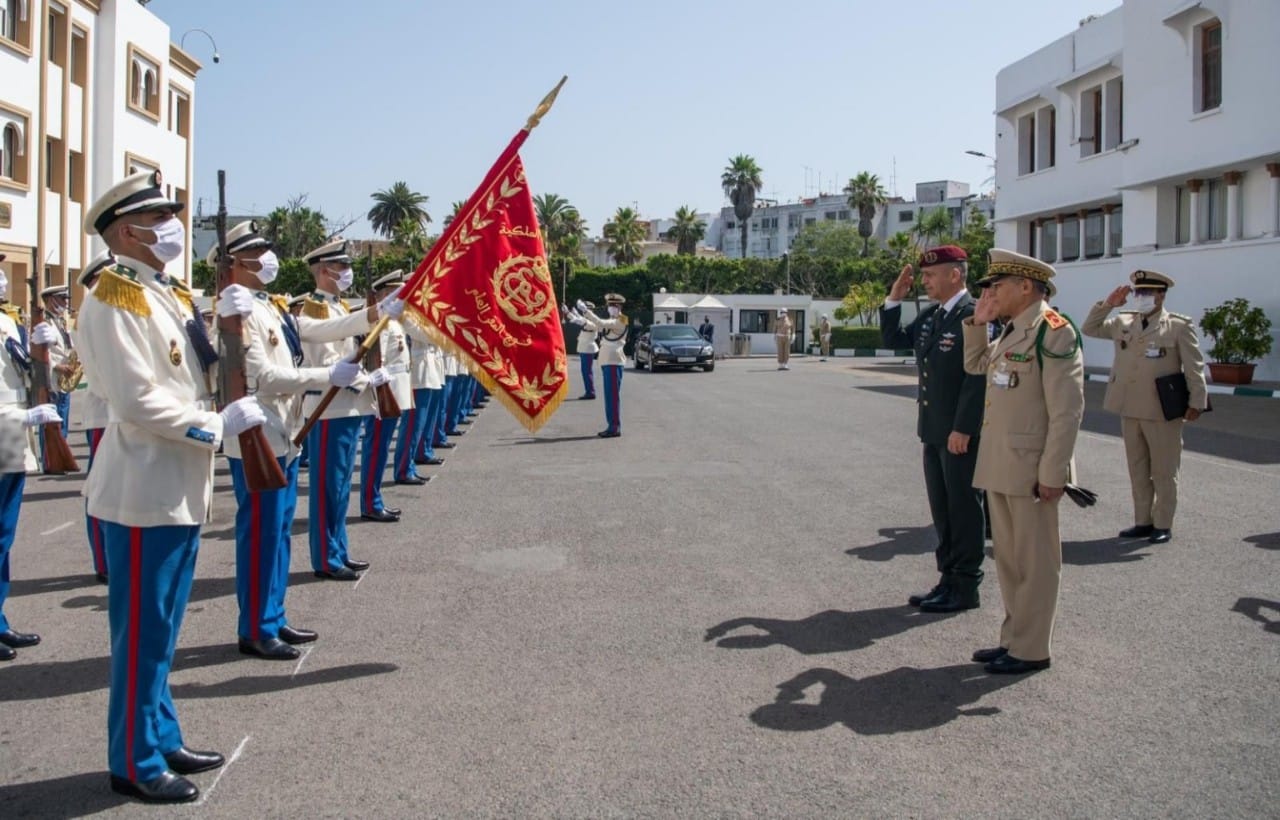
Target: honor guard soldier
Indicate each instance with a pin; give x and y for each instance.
(153, 477)
(443, 429)
(53, 332)
(587, 350)
(94, 416)
(950, 417)
(458, 389)
(273, 358)
(1150, 344)
(332, 442)
(417, 427)
(613, 342)
(1034, 403)
(378, 431)
(15, 365)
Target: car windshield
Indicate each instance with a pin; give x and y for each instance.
(674, 333)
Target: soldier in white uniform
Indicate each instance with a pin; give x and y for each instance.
(417, 430)
(451, 388)
(54, 333)
(588, 349)
(153, 477)
(95, 416)
(378, 432)
(612, 359)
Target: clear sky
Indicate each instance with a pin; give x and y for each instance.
(339, 99)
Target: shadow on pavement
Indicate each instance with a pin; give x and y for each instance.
(1104, 551)
(202, 589)
(76, 795)
(62, 583)
(903, 700)
(263, 684)
(547, 440)
(1267, 541)
(900, 541)
(39, 681)
(829, 631)
(29, 497)
(1252, 609)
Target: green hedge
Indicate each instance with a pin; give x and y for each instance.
(861, 338)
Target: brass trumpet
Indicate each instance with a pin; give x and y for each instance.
(69, 380)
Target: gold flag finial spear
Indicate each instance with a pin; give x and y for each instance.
(544, 106)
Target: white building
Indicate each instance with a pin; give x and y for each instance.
(90, 91)
(1149, 138)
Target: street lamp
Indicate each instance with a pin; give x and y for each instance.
(991, 178)
(979, 154)
(183, 42)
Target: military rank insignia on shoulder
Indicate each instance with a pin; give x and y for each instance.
(118, 287)
(1182, 318)
(183, 293)
(315, 308)
(281, 303)
(1055, 319)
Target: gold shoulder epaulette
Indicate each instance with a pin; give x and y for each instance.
(1054, 319)
(281, 303)
(1179, 316)
(115, 288)
(622, 317)
(314, 308)
(11, 310)
(183, 293)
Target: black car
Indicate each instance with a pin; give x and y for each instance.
(673, 346)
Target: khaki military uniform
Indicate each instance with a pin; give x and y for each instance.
(1152, 444)
(1032, 416)
(824, 337)
(782, 332)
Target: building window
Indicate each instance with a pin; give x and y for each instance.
(1049, 241)
(144, 83)
(1213, 209)
(1026, 144)
(76, 172)
(1070, 239)
(905, 216)
(809, 220)
(79, 57)
(8, 151)
(57, 37)
(1091, 121)
(830, 216)
(55, 166)
(843, 215)
(1113, 121)
(730, 225)
(1209, 68)
(1117, 230)
(1037, 141)
(15, 24)
(1182, 204)
(793, 222)
(754, 321)
(1094, 240)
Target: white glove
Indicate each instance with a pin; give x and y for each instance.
(577, 320)
(581, 306)
(44, 334)
(344, 373)
(235, 300)
(42, 414)
(392, 306)
(379, 377)
(240, 415)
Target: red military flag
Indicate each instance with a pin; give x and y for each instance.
(484, 291)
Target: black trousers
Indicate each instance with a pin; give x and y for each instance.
(957, 515)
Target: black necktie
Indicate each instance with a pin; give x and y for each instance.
(942, 314)
(1007, 330)
(1144, 322)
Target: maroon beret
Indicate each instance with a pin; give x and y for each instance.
(943, 254)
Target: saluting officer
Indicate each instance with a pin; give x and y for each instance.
(1150, 342)
(783, 330)
(587, 349)
(332, 442)
(950, 417)
(378, 431)
(95, 416)
(153, 477)
(418, 426)
(273, 357)
(613, 357)
(1034, 403)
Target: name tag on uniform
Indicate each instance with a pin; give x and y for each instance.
(1154, 352)
(1003, 378)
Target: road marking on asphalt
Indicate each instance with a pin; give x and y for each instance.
(1197, 457)
(59, 527)
(305, 653)
(204, 798)
(363, 575)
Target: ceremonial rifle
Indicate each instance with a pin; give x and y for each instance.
(58, 458)
(388, 407)
(261, 470)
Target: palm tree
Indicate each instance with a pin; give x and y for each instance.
(551, 209)
(395, 205)
(295, 229)
(687, 231)
(866, 195)
(740, 181)
(624, 233)
(410, 236)
(457, 205)
(934, 226)
(562, 226)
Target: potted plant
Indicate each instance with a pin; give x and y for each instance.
(1241, 334)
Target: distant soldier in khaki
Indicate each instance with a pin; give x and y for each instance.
(1034, 403)
(782, 333)
(1150, 343)
(824, 336)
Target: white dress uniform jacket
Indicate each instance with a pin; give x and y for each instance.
(13, 380)
(451, 365)
(614, 341)
(587, 337)
(350, 401)
(154, 466)
(93, 405)
(427, 360)
(395, 359)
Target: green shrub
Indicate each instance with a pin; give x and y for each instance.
(860, 338)
(1241, 333)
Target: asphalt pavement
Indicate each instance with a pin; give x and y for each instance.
(703, 618)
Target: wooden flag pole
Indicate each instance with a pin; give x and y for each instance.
(369, 341)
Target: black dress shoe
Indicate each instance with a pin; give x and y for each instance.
(356, 566)
(465, 421)
(608, 434)
(1159, 536)
(1139, 531)
(293, 636)
(17, 640)
(379, 515)
(167, 788)
(273, 649)
(101, 576)
(341, 574)
(393, 510)
(413, 479)
(189, 761)
(455, 432)
(587, 397)
(989, 655)
(1007, 664)
(448, 445)
(916, 600)
(432, 462)
(7, 654)
(950, 601)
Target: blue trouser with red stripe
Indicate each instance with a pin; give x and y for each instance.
(263, 524)
(373, 460)
(446, 398)
(92, 525)
(457, 387)
(587, 362)
(612, 374)
(414, 442)
(11, 485)
(150, 581)
(332, 445)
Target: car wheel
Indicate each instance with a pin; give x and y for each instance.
(636, 362)
(707, 368)
(653, 364)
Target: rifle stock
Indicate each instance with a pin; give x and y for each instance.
(58, 457)
(261, 470)
(328, 397)
(388, 407)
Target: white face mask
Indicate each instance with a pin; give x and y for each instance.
(1144, 303)
(270, 267)
(345, 278)
(614, 310)
(4, 286)
(171, 239)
